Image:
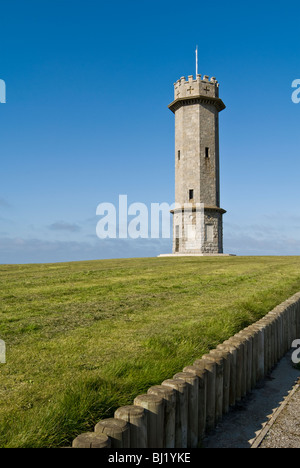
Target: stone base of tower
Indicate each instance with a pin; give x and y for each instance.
(196, 255)
(198, 233)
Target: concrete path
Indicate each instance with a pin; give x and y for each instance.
(269, 417)
(283, 430)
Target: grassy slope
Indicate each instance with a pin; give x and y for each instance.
(84, 338)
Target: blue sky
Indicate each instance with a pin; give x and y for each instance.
(86, 119)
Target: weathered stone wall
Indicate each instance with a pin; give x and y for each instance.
(187, 141)
(213, 218)
(209, 166)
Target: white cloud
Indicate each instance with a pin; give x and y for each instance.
(64, 226)
(249, 244)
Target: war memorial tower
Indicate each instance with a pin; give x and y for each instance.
(196, 107)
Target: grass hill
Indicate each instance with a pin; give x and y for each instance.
(84, 338)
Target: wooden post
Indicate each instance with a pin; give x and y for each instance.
(136, 417)
(201, 373)
(294, 325)
(282, 312)
(239, 345)
(181, 414)
(298, 316)
(210, 367)
(288, 319)
(277, 337)
(276, 322)
(91, 440)
(169, 397)
(192, 384)
(248, 340)
(244, 345)
(218, 360)
(232, 350)
(271, 321)
(117, 430)
(280, 334)
(265, 325)
(261, 361)
(225, 356)
(154, 406)
(255, 349)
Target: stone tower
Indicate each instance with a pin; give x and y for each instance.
(196, 107)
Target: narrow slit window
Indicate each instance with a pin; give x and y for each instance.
(207, 152)
(178, 155)
(191, 194)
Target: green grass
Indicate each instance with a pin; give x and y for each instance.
(84, 338)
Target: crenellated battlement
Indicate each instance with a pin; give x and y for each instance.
(204, 86)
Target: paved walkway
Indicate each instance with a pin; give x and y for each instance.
(269, 417)
(283, 430)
